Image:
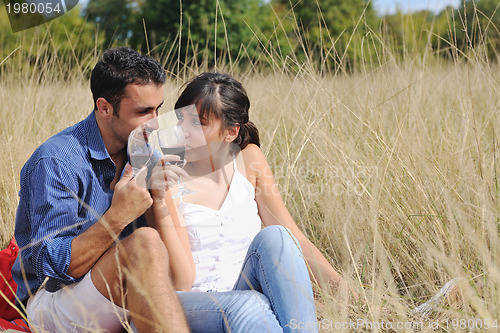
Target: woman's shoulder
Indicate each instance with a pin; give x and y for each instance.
(254, 157)
(255, 162)
(252, 152)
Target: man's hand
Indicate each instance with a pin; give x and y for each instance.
(129, 199)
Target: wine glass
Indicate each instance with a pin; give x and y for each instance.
(139, 149)
(172, 142)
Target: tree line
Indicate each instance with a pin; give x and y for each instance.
(325, 34)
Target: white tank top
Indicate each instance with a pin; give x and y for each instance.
(220, 238)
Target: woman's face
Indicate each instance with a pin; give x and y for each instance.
(203, 137)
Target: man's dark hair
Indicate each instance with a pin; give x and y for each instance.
(119, 67)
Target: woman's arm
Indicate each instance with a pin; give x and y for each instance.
(176, 240)
(167, 220)
(273, 211)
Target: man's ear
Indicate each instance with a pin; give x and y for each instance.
(232, 133)
(104, 108)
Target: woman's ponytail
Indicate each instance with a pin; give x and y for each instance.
(248, 134)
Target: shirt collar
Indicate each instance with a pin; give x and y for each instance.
(95, 143)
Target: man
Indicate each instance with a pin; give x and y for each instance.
(74, 202)
(87, 261)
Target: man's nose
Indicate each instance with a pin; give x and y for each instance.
(152, 124)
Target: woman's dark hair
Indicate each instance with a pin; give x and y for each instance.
(222, 97)
(119, 67)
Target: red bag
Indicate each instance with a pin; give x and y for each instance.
(18, 325)
(7, 285)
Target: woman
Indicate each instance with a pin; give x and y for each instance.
(234, 193)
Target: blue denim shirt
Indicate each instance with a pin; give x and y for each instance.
(64, 190)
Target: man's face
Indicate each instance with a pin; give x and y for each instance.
(139, 105)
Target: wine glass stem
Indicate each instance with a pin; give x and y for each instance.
(180, 183)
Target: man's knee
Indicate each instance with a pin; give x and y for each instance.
(144, 245)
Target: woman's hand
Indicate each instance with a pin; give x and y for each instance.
(164, 176)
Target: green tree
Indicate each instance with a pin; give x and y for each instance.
(66, 41)
(443, 37)
(116, 18)
(450, 33)
(334, 29)
(411, 33)
(193, 32)
(478, 24)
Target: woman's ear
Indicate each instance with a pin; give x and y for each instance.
(232, 133)
(104, 108)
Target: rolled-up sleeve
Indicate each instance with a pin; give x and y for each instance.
(53, 207)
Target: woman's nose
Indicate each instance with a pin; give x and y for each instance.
(180, 123)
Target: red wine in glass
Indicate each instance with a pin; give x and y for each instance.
(175, 150)
(173, 142)
(139, 149)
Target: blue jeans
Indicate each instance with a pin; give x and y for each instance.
(272, 294)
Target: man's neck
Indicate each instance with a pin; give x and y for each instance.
(119, 158)
(116, 149)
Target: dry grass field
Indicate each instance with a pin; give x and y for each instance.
(392, 171)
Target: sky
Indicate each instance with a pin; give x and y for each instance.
(389, 6)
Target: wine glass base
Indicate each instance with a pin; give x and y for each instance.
(182, 192)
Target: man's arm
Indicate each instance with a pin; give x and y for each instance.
(129, 202)
(59, 249)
